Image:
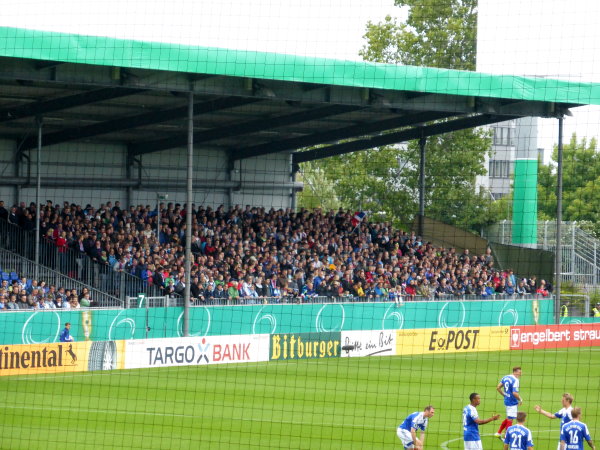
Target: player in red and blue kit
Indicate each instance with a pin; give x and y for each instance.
(518, 437)
(509, 389)
(573, 433)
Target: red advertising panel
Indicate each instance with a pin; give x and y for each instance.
(554, 336)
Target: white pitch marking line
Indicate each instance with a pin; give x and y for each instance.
(147, 413)
(126, 372)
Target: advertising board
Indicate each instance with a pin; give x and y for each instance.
(368, 343)
(60, 357)
(305, 346)
(452, 340)
(554, 336)
(192, 351)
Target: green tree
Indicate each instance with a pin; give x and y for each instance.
(319, 191)
(581, 184)
(370, 181)
(437, 33)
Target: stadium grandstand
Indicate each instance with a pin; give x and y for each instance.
(168, 282)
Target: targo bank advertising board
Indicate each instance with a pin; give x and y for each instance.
(196, 351)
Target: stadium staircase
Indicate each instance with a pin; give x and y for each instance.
(108, 288)
(13, 265)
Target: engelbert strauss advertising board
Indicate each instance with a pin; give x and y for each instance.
(196, 351)
(554, 336)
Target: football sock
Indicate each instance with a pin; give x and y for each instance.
(503, 425)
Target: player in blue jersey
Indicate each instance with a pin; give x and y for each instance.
(471, 422)
(417, 421)
(509, 389)
(564, 414)
(574, 432)
(518, 437)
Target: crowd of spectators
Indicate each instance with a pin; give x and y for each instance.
(251, 252)
(29, 294)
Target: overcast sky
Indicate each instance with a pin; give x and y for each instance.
(552, 38)
(327, 28)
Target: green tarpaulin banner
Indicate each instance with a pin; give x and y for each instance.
(30, 327)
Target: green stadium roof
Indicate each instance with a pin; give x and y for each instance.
(104, 51)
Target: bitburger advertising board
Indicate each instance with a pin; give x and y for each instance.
(368, 343)
(305, 346)
(192, 351)
(452, 340)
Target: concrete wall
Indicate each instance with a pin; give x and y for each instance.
(262, 181)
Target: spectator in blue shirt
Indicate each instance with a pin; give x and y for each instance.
(510, 288)
(65, 335)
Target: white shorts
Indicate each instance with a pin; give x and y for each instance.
(511, 411)
(405, 437)
(473, 445)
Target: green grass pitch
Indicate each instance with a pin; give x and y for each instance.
(309, 404)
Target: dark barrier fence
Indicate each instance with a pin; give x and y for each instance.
(526, 262)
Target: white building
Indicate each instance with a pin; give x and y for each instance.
(508, 139)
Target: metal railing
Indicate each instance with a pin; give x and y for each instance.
(74, 264)
(11, 262)
(153, 302)
(178, 301)
(580, 257)
(578, 305)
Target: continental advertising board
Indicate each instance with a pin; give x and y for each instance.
(305, 346)
(554, 336)
(452, 340)
(61, 357)
(368, 343)
(196, 351)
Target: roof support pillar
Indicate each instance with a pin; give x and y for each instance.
(295, 169)
(128, 175)
(38, 188)
(188, 215)
(558, 252)
(422, 144)
(230, 177)
(17, 172)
